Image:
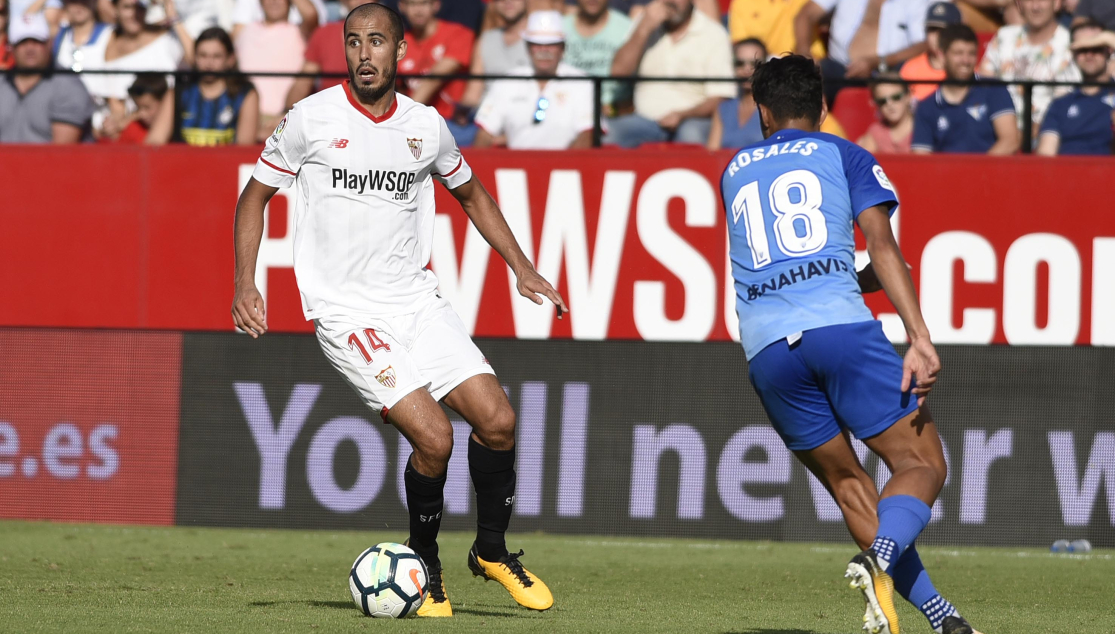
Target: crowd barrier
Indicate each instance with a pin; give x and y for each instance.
(622, 438)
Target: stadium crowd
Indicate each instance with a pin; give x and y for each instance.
(538, 45)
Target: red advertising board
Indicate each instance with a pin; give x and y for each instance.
(1014, 250)
(89, 425)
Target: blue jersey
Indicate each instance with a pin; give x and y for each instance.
(791, 201)
(1083, 122)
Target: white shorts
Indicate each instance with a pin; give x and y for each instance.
(386, 358)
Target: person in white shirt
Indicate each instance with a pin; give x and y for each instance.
(891, 32)
(538, 113)
(80, 46)
(364, 159)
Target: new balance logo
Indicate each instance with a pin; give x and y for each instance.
(338, 143)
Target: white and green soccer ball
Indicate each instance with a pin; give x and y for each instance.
(388, 581)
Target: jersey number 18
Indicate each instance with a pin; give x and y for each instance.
(789, 216)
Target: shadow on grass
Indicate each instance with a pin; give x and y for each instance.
(492, 613)
(336, 605)
(770, 631)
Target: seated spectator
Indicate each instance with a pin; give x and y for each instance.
(135, 45)
(81, 46)
(324, 54)
(1037, 49)
(499, 49)
(217, 110)
(770, 22)
(1100, 11)
(632, 9)
(890, 32)
(274, 45)
(673, 40)
(538, 114)
(251, 11)
(436, 47)
(147, 93)
(1081, 121)
(735, 123)
(975, 119)
(40, 107)
(593, 34)
(894, 130)
(930, 65)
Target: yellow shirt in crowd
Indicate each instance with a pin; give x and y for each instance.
(772, 21)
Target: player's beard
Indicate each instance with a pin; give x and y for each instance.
(372, 94)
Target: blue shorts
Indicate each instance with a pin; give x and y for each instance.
(846, 376)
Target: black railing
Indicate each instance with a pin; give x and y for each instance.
(1027, 86)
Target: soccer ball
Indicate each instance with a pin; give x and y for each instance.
(388, 581)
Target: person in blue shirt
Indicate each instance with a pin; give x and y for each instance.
(215, 109)
(1081, 121)
(976, 119)
(735, 122)
(818, 360)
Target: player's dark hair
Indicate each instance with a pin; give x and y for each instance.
(393, 17)
(1086, 23)
(153, 84)
(790, 87)
(956, 33)
(235, 83)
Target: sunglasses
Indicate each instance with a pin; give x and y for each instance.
(753, 63)
(540, 110)
(895, 98)
(1095, 50)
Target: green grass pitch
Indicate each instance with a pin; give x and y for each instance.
(81, 578)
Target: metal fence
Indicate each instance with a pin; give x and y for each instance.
(184, 77)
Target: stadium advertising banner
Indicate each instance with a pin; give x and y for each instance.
(632, 438)
(89, 425)
(1002, 250)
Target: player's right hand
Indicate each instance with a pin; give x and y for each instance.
(248, 311)
(921, 362)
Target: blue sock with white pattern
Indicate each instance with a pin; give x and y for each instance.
(901, 519)
(912, 582)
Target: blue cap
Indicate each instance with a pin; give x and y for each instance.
(942, 14)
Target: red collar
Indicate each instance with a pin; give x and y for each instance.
(356, 104)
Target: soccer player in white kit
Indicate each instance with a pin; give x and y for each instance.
(365, 159)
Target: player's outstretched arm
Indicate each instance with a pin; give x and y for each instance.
(248, 310)
(890, 268)
(489, 221)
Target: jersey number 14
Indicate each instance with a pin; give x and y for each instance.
(791, 216)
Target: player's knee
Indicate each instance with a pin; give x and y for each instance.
(432, 453)
(498, 428)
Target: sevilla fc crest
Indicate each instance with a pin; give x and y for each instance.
(387, 377)
(415, 146)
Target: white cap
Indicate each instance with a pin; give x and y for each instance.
(544, 27)
(28, 27)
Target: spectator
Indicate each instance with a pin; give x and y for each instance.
(930, 65)
(673, 40)
(247, 12)
(1101, 11)
(217, 110)
(1081, 121)
(275, 46)
(975, 118)
(770, 22)
(135, 45)
(147, 93)
(81, 46)
(891, 32)
(631, 9)
(436, 47)
(39, 107)
(538, 113)
(735, 123)
(324, 54)
(593, 34)
(846, 18)
(1038, 49)
(499, 49)
(894, 130)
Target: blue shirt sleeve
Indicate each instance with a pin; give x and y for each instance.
(999, 102)
(868, 184)
(923, 126)
(1054, 121)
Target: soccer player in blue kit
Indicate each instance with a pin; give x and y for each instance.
(818, 359)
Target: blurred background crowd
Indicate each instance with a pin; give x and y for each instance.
(190, 66)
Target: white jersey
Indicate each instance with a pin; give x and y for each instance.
(363, 221)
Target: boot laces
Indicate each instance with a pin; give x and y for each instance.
(516, 567)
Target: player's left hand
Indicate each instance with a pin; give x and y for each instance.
(921, 362)
(531, 285)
